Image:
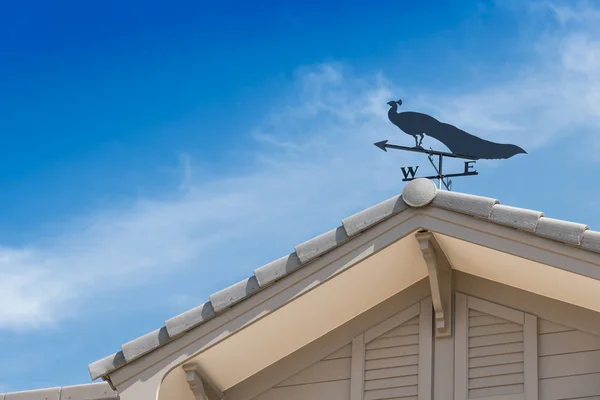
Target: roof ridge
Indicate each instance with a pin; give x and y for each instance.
(420, 192)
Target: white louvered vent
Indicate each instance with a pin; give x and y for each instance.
(393, 359)
(392, 363)
(495, 356)
(495, 352)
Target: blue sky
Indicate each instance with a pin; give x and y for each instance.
(154, 153)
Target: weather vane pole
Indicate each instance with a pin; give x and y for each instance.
(462, 145)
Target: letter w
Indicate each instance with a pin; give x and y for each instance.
(410, 172)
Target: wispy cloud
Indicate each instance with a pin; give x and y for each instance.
(186, 166)
(39, 282)
(572, 12)
(555, 95)
(313, 155)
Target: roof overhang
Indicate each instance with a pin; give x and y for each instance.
(313, 314)
(350, 278)
(490, 252)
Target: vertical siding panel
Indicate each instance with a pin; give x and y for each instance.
(425, 350)
(461, 337)
(443, 382)
(531, 357)
(357, 374)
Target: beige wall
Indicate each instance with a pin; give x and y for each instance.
(383, 362)
(324, 380)
(569, 362)
(496, 352)
(390, 368)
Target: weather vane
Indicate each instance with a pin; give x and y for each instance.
(462, 145)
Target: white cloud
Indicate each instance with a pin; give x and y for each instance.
(112, 248)
(573, 11)
(315, 158)
(555, 96)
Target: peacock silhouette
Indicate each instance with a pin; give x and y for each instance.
(458, 141)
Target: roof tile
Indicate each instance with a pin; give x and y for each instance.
(315, 247)
(274, 270)
(40, 394)
(591, 241)
(106, 364)
(90, 391)
(233, 294)
(519, 218)
(563, 231)
(144, 344)
(366, 218)
(189, 319)
(476, 206)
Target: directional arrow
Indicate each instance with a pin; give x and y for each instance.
(441, 177)
(384, 146)
(472, 173)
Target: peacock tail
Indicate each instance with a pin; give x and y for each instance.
(461, 142)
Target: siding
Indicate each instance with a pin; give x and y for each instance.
(495, 356)
(325, 380)
(569, 363)
(391, 363)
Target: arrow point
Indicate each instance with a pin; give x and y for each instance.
(381, 145)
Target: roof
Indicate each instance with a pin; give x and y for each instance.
(416, 194)
(90, 391)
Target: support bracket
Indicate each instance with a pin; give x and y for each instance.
(440, 281)
(201, 385)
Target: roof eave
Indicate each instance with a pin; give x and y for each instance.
(419, 194)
